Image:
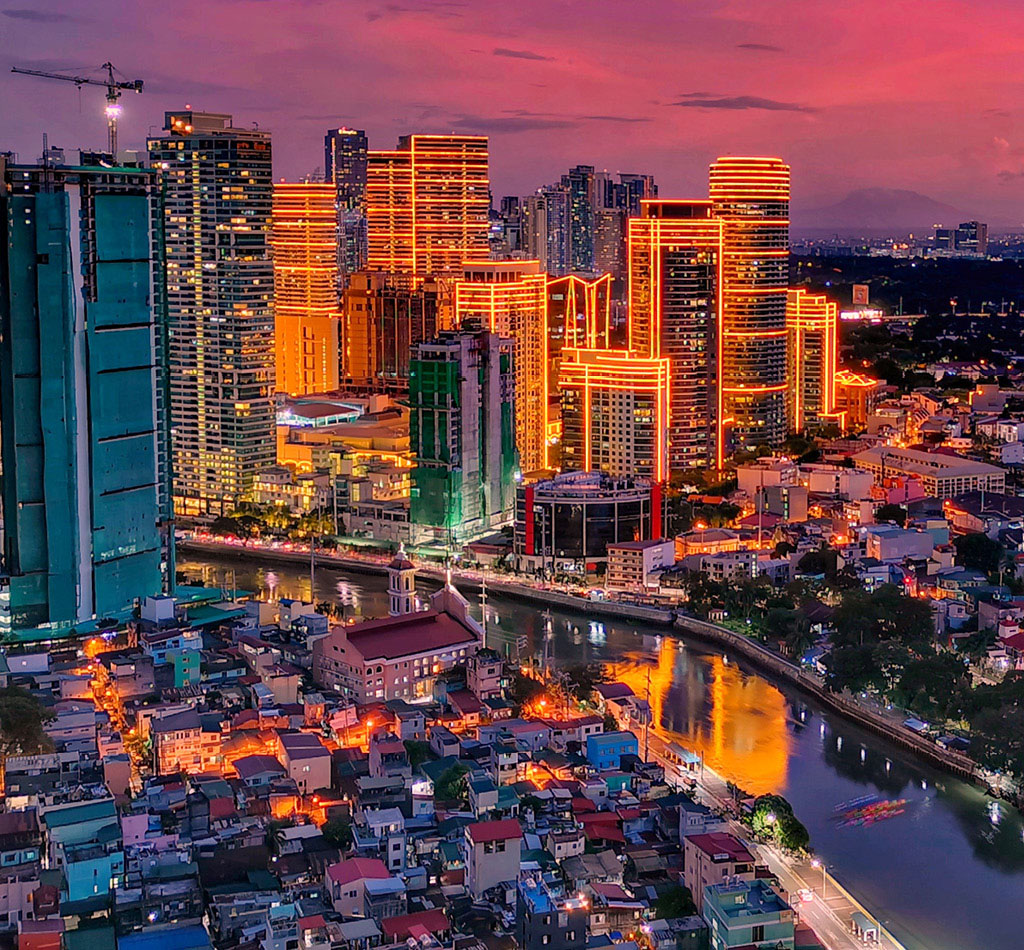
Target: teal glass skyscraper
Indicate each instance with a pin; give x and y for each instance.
(78, 395)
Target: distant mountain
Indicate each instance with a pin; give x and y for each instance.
(880, 209)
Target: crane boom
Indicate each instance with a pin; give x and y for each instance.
(112, 85)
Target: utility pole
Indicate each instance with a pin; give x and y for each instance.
(312, 568)
(483, 604)
(647, 718)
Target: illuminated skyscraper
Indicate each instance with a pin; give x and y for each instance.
(383, 320)
(307, 318)
(219, 286)
(82, 452)
(579, 314)
(545, 229)
(615, 413)
(813, 322)
(510, 299)
(427, 205)
(462, 434)
(750, 197)
(675, 263)
(581, 185)
(345, 152)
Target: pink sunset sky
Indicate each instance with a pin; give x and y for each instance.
(918, 94)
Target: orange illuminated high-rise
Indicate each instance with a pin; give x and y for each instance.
(427, 205)
(307, 315)
(813, 322)
(750, 197)
(675, 263)
(510, 299)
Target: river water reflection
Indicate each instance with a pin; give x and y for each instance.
(948, 874)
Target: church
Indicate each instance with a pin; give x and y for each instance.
(398, 656)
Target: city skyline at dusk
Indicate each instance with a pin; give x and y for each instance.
(662, 87)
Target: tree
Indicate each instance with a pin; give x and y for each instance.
(978, 551)
(897, 514)
(851, 667)
(451, 785)
(817, 562)
(583, 677)
(675, 902)
(524, 688)
(932, 685)
(610, 723)
(337, 832)
(886, 613)
(417, 751)
(772, 818)
(21, 724)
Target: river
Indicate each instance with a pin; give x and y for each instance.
(948, 874)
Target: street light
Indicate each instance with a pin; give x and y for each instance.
(821, 864)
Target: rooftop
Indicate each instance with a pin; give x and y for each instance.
(356, 869)
(503, 830)
(408, 634)
(745, 899)
(720, 843)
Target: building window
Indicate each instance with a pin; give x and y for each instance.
(757, 933)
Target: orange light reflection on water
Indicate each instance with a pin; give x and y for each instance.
(737, 722)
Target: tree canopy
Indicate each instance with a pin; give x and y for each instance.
(21, 723)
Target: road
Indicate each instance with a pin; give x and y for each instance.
(830, 911)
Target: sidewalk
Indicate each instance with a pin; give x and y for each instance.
(831, 909)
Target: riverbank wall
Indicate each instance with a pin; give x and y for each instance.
(764, 659)
(750, 650)
(597, 608)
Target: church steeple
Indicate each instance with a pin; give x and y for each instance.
(401, 584)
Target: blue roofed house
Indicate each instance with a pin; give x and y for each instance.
(605, 750)
(192, 937)
(748, 914)
(85, 844)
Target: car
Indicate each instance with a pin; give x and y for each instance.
(805, 894)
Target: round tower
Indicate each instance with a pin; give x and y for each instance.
(401, 584)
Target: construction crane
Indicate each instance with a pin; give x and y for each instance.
(114, 89)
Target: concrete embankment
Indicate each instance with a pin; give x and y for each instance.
(501, 588)
(755, 653)
(780, 668)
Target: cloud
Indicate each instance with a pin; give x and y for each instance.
(521, 54)
(615, 118)
(444, 9)
(510, 123)
(35, 16)
(698, 100)
(760, 47)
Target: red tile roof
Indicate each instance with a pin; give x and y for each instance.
(502, 830)
(465, 701)
(720, 842)
(408, 634)
(358, 869)
(433, 921)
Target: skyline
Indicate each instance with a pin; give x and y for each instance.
(642, 88)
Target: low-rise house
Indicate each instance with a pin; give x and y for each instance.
(346, 880)
(605, 750)
(714, 858)
(546, 918)
(259, 771)
(381, 833)
(177, 743)
(748, 914)
(389, 759)
(492, 854)
(306, 760)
